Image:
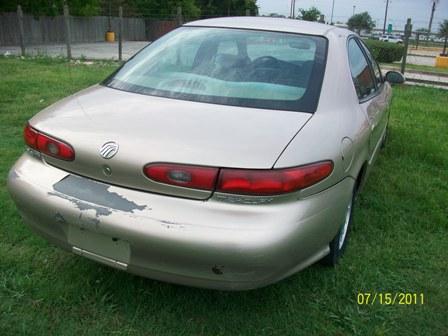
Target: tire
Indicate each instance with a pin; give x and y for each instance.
(339, 243)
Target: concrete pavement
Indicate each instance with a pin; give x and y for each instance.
(421, 60)
(99, 50)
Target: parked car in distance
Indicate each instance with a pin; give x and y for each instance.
(391, 38)
(227, 154)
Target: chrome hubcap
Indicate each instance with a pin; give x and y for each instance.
(345, 226)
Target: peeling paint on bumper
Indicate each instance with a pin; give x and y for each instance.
(209, 244)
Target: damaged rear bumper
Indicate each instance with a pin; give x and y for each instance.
(211, 243)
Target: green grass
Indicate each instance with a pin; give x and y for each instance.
(399, 244)
(425, 68)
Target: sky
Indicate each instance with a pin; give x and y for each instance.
(399, 10)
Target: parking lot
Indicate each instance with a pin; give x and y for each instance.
(96, 51)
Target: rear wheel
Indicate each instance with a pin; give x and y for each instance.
(339, 243)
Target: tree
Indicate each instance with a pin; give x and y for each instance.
(361, 21)
(164, 9)
(275, 15)
(52, 7)
(211, 8)
(443, 32)
(311, 14)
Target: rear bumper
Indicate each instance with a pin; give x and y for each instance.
(210, 244)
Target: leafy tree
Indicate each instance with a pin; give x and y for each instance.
(165, 8)
(443, 32)
(211, 8)
(361, 21)
(311, 14)
(276, 15)
(148, 8)
(52, 7)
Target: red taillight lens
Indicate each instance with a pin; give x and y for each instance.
(240, 181)
(48, 145)
(30, 136)
(182, 175)
(272, 182)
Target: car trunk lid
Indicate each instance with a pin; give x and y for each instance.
(152, 129)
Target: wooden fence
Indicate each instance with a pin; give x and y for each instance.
(48, 30)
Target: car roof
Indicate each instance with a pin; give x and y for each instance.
(271, 24)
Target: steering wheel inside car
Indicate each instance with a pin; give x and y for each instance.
(265, 61)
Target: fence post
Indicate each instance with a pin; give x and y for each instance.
(247, 12)
(120, 33)
(67, 31)
(407, 34)
(21, 31)
(179, 18)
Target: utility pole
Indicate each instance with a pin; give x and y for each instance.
(292, 12)
(407, 34)
(332, 11)
(354, 8)
(385, 17)
(433, 8)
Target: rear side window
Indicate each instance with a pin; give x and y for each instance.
(376, 68)
(250, 68)
(360, 70)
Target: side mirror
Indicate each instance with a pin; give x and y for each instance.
(394, 77)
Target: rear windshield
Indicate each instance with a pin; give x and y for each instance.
(229, 66)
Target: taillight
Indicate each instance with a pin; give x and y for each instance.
(48, 145)
(196, 177)
(272, 182)
(30, 136)
(257, 182)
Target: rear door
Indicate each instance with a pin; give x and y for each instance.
(373, 93)
(381, 99)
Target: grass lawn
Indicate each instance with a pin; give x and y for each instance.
(427, 68)
(399, 244)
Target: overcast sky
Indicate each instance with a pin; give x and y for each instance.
(399, 10)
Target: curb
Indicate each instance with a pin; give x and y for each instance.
(428, 56)
(429, 73)
(424, 81)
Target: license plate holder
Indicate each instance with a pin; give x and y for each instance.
(109, 250)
